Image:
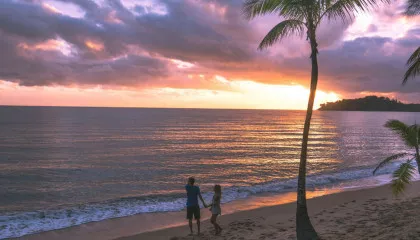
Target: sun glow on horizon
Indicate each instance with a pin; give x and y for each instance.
(282, 96)
(243, 95)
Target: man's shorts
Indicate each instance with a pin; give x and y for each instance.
(193, 210)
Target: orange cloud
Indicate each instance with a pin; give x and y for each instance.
(45, 46)
(96, 46)
(49, 45)
(50, 8)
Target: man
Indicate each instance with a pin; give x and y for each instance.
(193, 192)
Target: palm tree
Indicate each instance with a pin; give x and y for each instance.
(413, 63)
(301, 15)
(411, 137)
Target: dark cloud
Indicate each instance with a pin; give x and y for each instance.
(134, 47)
(171, 35)
(367, 64)
(27, 20)
(40, 68)
(186, 33)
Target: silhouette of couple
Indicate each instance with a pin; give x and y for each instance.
(193, 209)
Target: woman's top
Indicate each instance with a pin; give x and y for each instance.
(215, 205)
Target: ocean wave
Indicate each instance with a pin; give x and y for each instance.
(23, 223)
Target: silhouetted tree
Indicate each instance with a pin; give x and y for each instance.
(300, 17)
(370, 103)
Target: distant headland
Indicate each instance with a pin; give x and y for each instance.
(370, 103)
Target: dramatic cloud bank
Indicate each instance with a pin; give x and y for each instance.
(195, 44)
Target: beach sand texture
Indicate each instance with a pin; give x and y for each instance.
(362, 214)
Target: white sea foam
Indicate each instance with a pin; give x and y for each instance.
(19, 224)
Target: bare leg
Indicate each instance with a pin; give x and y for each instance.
(190, 224)
(198, 226)
(217, 228)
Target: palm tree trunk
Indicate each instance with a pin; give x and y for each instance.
(418, 159)
(417, 146)
(304, 228)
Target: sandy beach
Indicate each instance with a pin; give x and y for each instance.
(372, 213)
(362, 214)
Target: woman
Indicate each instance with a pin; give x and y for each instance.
(215, 208)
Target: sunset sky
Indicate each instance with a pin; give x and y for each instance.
(192, 53)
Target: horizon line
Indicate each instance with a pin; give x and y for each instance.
(198, 108)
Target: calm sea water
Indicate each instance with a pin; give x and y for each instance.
(66, 166)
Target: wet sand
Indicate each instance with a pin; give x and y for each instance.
(361, 214)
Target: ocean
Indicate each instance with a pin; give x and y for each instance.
(64, 166)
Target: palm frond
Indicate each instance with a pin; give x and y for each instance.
(253, 8)
(287, 8)
(397, 126)
(346, 9)
(327, 3)
(282, 30)
(388, 160)
(402, 176)
(413, 8)
(409, 134)
(413, 64)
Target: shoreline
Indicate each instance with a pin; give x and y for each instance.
(142, 223)
(145, 226)
(250, 200)
(369, 213)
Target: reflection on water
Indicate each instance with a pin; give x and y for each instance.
(63, 156)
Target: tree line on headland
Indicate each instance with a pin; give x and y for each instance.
(370, 103)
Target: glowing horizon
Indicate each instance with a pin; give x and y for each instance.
(244, 96)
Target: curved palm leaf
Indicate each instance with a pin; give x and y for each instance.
(402, 176)
(282, 30)
(346, 9)
(409, 134)
(397, 126)
(413, 7)
(388, 160)
(294, 9)
(413, 64)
